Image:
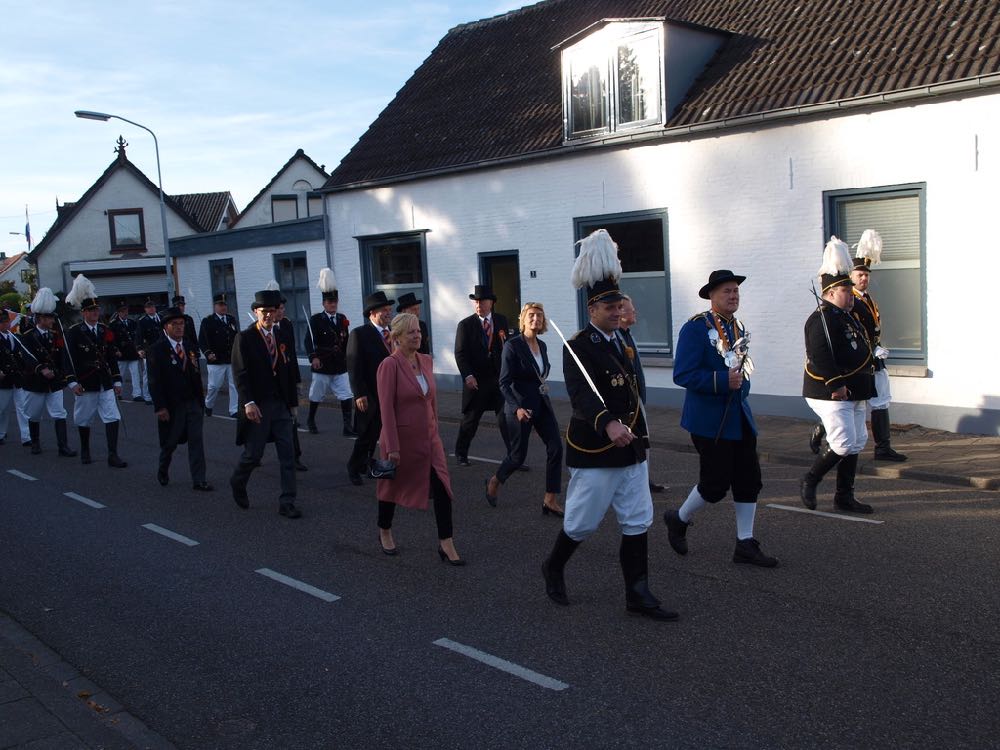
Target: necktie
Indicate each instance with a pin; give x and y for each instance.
(488, 332)
(269, 340)
(385, 339)
(180, 356)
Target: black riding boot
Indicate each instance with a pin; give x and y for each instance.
(84, 444)
(347, 409)
(111, 431)
(35, 430)
(880, 432)
(844, 497)
(311, 421)
(825, 461)
(63, 440)
(639, 600)
(552, 568)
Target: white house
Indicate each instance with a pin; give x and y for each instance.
(12, 268)
(702, 135)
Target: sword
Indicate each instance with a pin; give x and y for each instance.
(826, 329)
(312, 333)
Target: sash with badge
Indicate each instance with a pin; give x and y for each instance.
(735, 354)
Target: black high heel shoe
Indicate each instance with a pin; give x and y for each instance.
(546, 510)
(444, 558)
(390, 551)
(491, 499)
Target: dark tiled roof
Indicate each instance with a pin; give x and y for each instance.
(299, 154)
(491, 89)
(10, 262)
(206, 208)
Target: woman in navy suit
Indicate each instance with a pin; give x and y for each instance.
(523, 372)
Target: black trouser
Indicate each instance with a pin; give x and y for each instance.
(368, 425)
(544, 423)
(188, 417)
(726, 464)
(442, 509)
(276, 424)
(470, 423)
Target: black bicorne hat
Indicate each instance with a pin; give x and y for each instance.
(266, 298)
(482, 291)
(377, 300)
(89, 303)
(605, 290)
(719, 277)
(864, 264)
(407, 300)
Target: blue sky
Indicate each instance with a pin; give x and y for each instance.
(231, 89)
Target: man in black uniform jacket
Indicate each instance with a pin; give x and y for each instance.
(479, 344)
(367, 346)
(218, 331)
(124, 329)
(264, 372)
(148, 331)
(178, 398)
(326, 347)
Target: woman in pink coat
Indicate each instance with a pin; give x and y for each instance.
(408, 399)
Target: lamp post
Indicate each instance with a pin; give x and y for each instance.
(104, 117)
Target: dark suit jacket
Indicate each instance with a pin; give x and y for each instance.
(172, 385)
(216, 337)
(92, 360)
(286, 335)
(850, 363)
(481, 359)
(44, 352)
(327, 342)
(520, 377)
(365, 352)
(147, 331)
(255, 378)
(425, 339)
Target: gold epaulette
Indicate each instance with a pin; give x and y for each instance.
(699, 316)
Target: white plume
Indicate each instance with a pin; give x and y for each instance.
(327, 281)
(44, 302)
(598, 260)
(836, 258)
(272, 286)
(870, 247)
(83, 288)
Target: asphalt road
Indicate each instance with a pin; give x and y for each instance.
(867, 635)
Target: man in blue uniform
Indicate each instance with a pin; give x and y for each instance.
(713, 365)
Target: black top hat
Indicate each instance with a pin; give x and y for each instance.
(171, 313)
(407, 300)
(219, 298)
(605, 290)
(266, 298)
(178, 300)
(483, 292)
(719, 277)
(377, 300)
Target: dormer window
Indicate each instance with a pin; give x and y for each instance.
(613, 80)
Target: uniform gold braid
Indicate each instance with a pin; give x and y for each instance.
(610, 445)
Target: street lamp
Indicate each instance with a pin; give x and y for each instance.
(103, 117)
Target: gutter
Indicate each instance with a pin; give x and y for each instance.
(965, 85)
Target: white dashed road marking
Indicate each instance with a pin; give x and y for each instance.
(84, 500)
(838, 516)
(502, 664)
(170, 534)
(326, 596)
(484, 460)
(22, 475)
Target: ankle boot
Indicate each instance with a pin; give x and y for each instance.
(555, 563)
(844, 497)
(639, 600)
(111, 431)
(35, 430)
(62, 440)
(347, 409)
(84, 444)
(825, 461)
(880, 432)
(311, 421)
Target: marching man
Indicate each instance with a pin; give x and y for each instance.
(326, 345)
(216, 337)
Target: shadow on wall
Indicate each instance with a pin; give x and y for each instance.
(982, 421)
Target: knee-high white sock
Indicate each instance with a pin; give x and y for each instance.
(692, 505)
(745, 513)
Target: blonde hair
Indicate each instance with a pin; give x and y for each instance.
(522, 319)
(401, 324)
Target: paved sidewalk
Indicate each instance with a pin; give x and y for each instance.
(934, 455)
(46, 704)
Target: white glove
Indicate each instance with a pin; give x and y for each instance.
(881, 352)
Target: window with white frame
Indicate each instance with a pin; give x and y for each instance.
(641, 237)
(613, 80)
(898, 283)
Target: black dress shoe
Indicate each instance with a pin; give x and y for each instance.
(555, 586)
(137, 398)
(524, 467)
(208, 412)
(311, 426)
(676, 532)
(355, 478)
(115, 462)
(654, 487)
(299, 466)
(240, 493)
(654, 613)
(349, 433)
(288, 510)
(546, 510)
(888, 454)
(25, 443)
(463, 460)
(162, 477)
(202, 487)
(748, 551)
(444, 558)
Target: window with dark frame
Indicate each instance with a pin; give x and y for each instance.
(284, 207)
(223, 278)
(128, 231)
(898, 283)
(396, 264)
(291, 271)
(641, 237)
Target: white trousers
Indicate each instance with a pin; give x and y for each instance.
(130, 367)
(89, 403)
(35, 403)
(21, 406)
(217, 375)
(145, 381)
(339, 385)
(592, 491)
(844, 422)
(882, 393)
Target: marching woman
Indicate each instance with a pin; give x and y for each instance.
(524, 368)
(410, 439)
